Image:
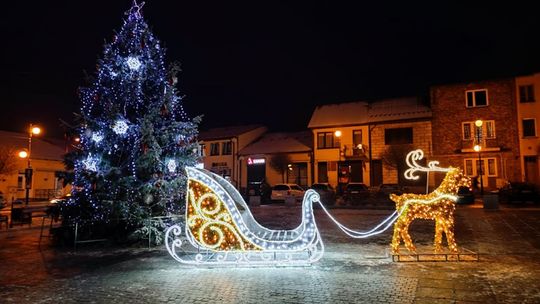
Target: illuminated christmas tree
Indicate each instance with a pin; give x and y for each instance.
(135, 138)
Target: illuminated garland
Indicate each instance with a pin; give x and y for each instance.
(219, 221)
(438, 205)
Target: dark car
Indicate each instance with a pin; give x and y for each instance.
(355, 193)
(519, 192)
(387, 189)
(326, 191)
(465, 196)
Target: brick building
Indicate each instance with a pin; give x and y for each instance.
(456, 108)
(365, 131)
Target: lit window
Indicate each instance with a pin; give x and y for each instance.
(526, 93)
(491, 167)
(468, 167)
(476, 98)
(327, 140)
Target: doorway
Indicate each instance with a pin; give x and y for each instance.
(531, 169)
(377, 171)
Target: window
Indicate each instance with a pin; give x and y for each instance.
(526, 93)
(357, 138)
(327, 140)
(472, 167)
(226, 148)
(398, 136)
(214, 149)
(322, 172)
(476, 98)
(529, 127)
(202, 150)
(468, 167)
(470, 130)
(489, 129)
(467, 127)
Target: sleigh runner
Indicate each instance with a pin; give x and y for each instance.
(220, 229)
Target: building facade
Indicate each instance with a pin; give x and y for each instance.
(528, 117)
(351, 140)
(291, 153)
(45, 159)
(220, 148)
(456, 109)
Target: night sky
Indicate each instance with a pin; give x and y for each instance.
(267, 62)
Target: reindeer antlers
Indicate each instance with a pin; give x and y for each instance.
(412, 159)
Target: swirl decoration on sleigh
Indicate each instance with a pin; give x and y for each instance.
(219, 228)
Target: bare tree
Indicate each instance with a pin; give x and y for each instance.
(8, 161)
(280, 163)
(394, 156)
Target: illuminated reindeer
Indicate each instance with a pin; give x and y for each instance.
(438, 205)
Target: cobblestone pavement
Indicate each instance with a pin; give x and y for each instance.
(357, 271)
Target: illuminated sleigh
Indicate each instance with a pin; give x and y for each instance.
(220, 229)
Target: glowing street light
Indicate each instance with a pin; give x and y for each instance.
(478, 148)
(32, 130)
(337, 133)
(23, 154)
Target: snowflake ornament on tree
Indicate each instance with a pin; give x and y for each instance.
(129, 148)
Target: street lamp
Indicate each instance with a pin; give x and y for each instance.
(32, 130)
(478, 148)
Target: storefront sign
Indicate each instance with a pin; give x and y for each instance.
(256, 161)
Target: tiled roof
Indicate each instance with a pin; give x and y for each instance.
(359, 113)
(272, 143)
(41, 149)
(226, 132)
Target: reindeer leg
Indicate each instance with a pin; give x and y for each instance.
(396, 239)
(450, 239)
(439, 229)
(406, 237)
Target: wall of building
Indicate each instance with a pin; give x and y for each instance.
(448, 104)
(43, 182)
(272, 176)
(421, 140)
(333, 155)
(529, 146)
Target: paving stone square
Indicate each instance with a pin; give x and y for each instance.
(351, 271)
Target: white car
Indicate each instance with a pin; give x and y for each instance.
(281, 191)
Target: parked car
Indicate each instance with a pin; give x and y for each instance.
(60, 199)
(519, 192)
(281, 191)
(465, 196)
(261, 189)
(387, 189)
(326, 191)
(354, 193)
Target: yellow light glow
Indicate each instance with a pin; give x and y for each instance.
(211, 223)
(76, 139)
(437, 205)
(36, 130)
(478, 123)
(477, 148)
(23, 154)
(337, 133)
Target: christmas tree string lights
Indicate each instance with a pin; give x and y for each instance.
(126, 164)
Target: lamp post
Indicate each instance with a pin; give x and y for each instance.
(478, 148)
(32, 130)
(338, 134)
